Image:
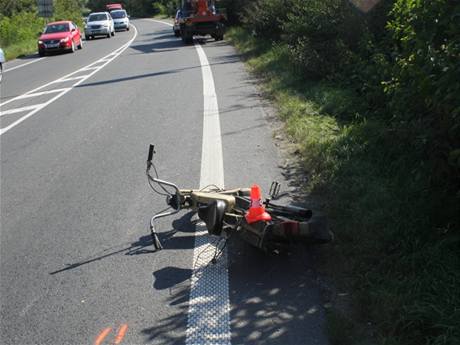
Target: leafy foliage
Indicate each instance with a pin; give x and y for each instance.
(13, 30)
(373, 101)
(68, 10)
(315, 31)
(265, 18)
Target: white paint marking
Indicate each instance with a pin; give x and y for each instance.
(209, 306)
(70, 79)
(81, 80)
(20, 110)
(37, 94)
(25, 117)
(24, 64)
(161, 22)
(89, 68)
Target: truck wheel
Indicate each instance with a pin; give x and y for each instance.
(187, 38)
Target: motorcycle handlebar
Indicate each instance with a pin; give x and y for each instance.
(151, 150)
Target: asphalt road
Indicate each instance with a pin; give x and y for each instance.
(77, 265)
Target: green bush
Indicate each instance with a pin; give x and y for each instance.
(424, 88)
(376, 114)
(265, 18)
(14, 30)
(315, 32)
(16, 38)
(68, 10)
(165, 7)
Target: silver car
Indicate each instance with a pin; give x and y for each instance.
(2, 60)
(99, 24)
(120, 19)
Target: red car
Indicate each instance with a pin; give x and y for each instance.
(60, 36)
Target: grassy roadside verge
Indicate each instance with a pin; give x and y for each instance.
(401, 276)
(21, 49)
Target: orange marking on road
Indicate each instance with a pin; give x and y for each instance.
(100, 338)
(121, 333)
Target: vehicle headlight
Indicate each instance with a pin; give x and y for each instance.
(63, 40)
(40, 42)
(105, 25)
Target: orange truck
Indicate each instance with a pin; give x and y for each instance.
(199, 17)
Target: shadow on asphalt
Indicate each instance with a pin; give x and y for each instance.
(165, 331)
(159, 47)
(155, 47)
(135, 248)
(169, 277)
(139, 247)
(274, 299)
(140, 76)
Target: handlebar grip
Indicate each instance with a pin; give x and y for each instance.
(150, 153)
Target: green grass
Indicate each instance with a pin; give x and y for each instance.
(21, 49)
(402, 270)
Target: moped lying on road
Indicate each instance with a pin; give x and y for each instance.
(242, 212)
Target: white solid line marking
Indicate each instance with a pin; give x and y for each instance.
(24, 64)
(161, 22)
(209, 305)
(81, 80)
(20, 110)
(29, 95)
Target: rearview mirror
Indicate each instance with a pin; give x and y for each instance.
(39, 33)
